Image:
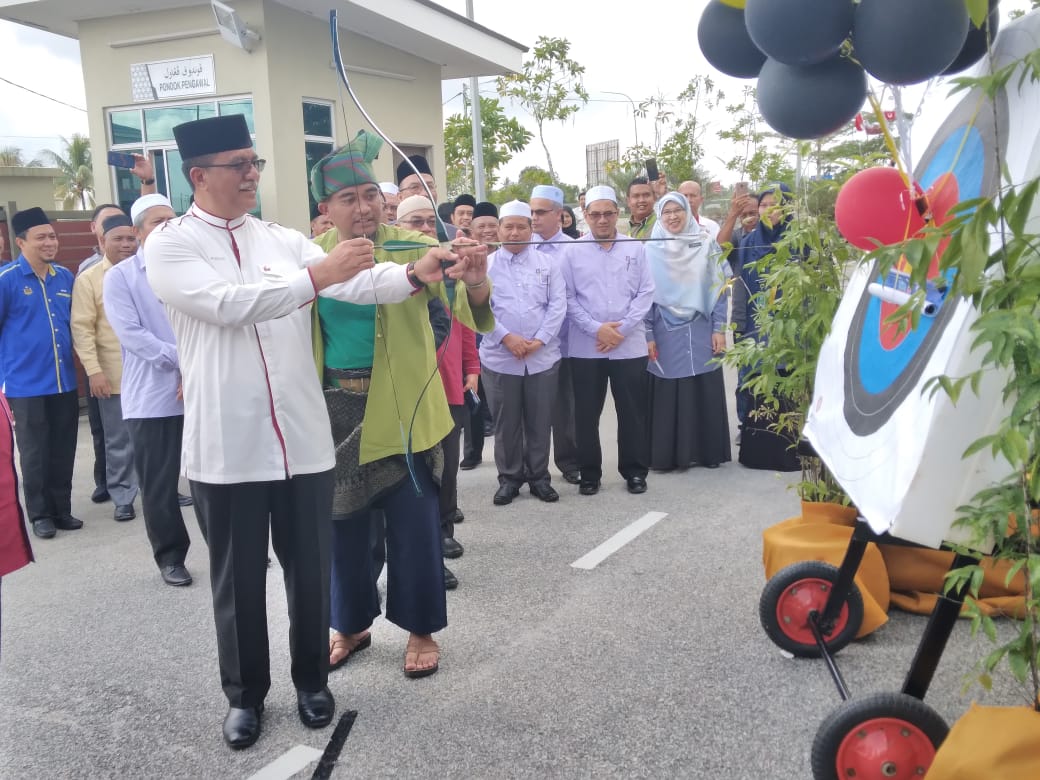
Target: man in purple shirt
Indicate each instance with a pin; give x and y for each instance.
(520, 358)
(546, 213)
(151, 393)
(609, 291)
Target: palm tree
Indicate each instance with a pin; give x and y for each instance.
(76, 184)
(12, 156)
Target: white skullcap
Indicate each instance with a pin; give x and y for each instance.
(389, 188)
(601, 192)
(515, 208)
(413, 203)
(549, 192)
(145, 202)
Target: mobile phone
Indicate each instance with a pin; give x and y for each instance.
(651, 170)
(121, 160)
(472, 401)
(741, 189)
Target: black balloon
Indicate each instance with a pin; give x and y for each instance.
(975, 47)
(810, 101)
(799, 32)
(725, 42)
(908, 41)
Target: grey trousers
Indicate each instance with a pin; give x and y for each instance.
(119, 453)
(522, 408)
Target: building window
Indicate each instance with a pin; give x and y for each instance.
(318, 139)
(150, 131)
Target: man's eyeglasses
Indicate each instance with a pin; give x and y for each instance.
(241, 167)
(541, 212)
(595, 216)
(419, 222)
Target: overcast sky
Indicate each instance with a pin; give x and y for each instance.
(639, 54)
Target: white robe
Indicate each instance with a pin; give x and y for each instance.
(253, 405)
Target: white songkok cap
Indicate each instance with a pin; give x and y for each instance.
(145, 202)
(515, 208)
(413, 203)
(601, 192)
(389, 188)
(549, 192)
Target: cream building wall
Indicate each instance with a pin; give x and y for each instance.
(292, 61)
(28, 186)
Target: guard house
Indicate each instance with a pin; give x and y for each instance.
(149, 65)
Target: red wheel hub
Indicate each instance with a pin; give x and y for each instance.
(800, 599)
(885, 748)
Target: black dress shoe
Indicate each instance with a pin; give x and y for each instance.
(184, 500)
(175, 574)
(452, 549)
(100, 495)
(316, 709)
(589, 488)
(68, 523)
(124, 512)
(242, 726)
(636, 485)
(572, 477)
(450, 580)
(544, 492)
(470, 463)
(43, 527)
(459, 517)
(506, 494)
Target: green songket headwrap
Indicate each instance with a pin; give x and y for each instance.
(348, 166)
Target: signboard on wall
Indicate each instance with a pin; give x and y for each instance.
(170, 79)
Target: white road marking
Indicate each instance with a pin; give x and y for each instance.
(592, 559)
(288, 764)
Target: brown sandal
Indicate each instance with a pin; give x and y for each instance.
(421, 647)
(351, 643)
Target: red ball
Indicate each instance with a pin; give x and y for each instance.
(876, 207)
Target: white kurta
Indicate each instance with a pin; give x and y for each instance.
(239, 297)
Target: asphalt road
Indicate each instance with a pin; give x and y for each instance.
(652, 664)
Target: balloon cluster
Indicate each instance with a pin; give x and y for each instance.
(812, 57)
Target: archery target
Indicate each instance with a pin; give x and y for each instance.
(895, 449)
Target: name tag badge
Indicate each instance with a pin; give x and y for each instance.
(27, 290)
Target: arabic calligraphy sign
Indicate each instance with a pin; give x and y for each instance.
(168, 79)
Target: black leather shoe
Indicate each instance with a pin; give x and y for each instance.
(452, 549)
(242, 726)
(316, 709)
(459, 517)
(184, 500)
(636, 485)
(470, 463)
(100, 495)
(450, 580)
(43, 527)
(68, 523)
(124, 512)
(589, 488)
(175, 575)
(506, 494)
(572, 477)
(544, 492)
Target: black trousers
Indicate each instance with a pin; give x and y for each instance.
(564, 439)
(473, 426)
(449, 496)
(157, 459)
(46, 427)
(628, 384)
(235, 520)
(97, 435)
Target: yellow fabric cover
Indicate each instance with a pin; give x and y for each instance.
(916, 575)
(822, 533)
(990, 742)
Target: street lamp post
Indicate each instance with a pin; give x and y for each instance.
(635, 125)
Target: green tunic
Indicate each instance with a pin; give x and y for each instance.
(643, 230)
(403, 359)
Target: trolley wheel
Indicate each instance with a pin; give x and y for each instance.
(793, 594)
(877, 737)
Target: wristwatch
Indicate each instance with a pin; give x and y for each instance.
(147, 181)
(412, 278)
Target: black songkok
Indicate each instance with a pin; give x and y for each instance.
(485, 209)
(211, 135)
(404, 170)
(465, 199)
(115, 221)
(30, 218)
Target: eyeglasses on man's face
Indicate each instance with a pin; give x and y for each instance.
(418, 222)
(595, 216)
(242, 167)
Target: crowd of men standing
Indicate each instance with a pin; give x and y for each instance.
(273, 371)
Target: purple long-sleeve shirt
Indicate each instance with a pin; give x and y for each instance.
(528, 299)
(607, 285)
(556, 247)
(151, 371)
